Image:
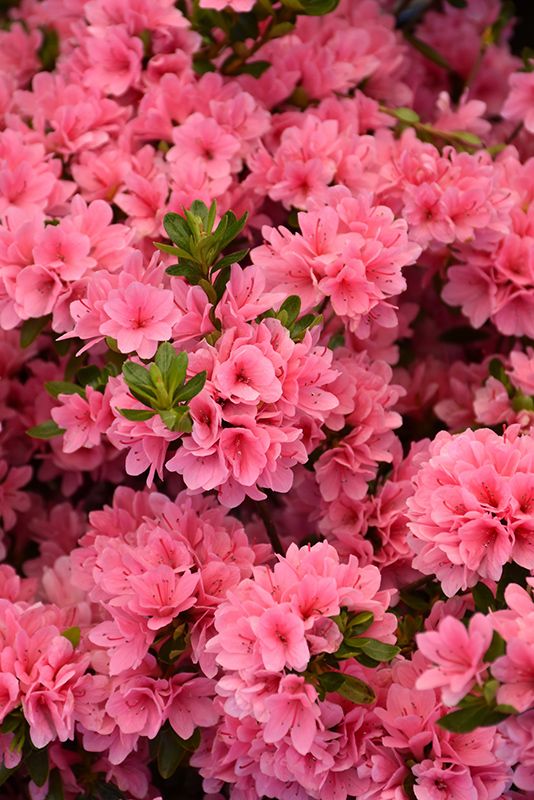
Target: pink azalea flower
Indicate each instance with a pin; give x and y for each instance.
(459, 655)
(293, 711)
(281, 639)
(84, 420)
(139, 317)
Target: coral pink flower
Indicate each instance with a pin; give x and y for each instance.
(293, 711)
(459, 655)
(84, 419)
(441, 781)
(160, 595)
(138, 706)
(248, 377)
(117, 61)
(516, 671)
(280, 634)
(9, 694)
(519, 103)
(139, 317)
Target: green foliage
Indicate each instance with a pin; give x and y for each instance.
(31, 329)
(45, 430)
(162, 387)
(172, 750)
(347, 686)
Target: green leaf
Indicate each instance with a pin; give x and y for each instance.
(55, 388)
(188, 271)
(232, 229)
(497, 648)
(361, 622)
(254, 68)
(170, 753)
(176, 374)
(89, 376)
(73, 635)
(466, 137)
(429, 52)
(107, 791)
(291, 309)
(137, 414)
(191, 388)
(172, 250)
(305, 323)
(177, 230)
(55, 786)
(184, 423)
(231, 258)
(200, 209)
(356, 691)
(337, 340)
(138, 379)
(347, 686)
(210, 220)
(376, 650)
(522, 402)
(512, 573)
(46, 430)
(221, 281)
(281, 29)
(407, 115)
(318, 8)
(49, 50)
(37, 765)
(489, 690)
(483, 597)
(11, 722)
(31, 329)
(169, 417)
(473, 716)
(6, 773)
(165, 356)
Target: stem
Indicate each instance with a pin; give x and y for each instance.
(262, 512)
(516, 131)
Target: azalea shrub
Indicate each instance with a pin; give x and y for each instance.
(266, 400)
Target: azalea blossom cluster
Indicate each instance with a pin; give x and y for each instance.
(266, 400)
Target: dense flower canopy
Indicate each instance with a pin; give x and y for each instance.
(266, 400)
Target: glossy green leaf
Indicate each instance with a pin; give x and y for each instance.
(55, 388)
(191, 388)
(46, 430)
(55, 786)
(231, 258)
(497, 648)
(347, 686)
(254, 68)
(137, 414)
(483, 597)
(37, 764)
(177, 230)
(31, 328)
(73, 635)
(289, 310)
